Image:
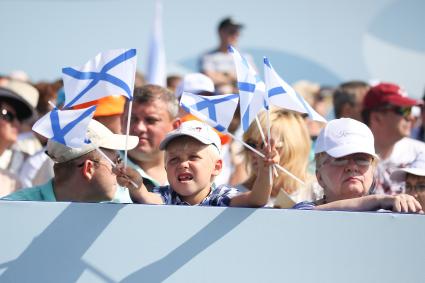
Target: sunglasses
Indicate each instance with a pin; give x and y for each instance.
(417, 188)
(402, 111)
(361, 161)
(8, 116)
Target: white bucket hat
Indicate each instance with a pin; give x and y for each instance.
(345, 136)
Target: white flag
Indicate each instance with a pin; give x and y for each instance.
(68, 127)
(109, 73)
(156, 68)
(281, 94)
(215, 110)
(251, 89)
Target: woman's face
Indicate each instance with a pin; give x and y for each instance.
(346, 177)
(9, 124)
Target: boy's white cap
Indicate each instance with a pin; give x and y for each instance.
(345, 136)
(99, 135)
(416, 168)
(195, 83)
(195, 129)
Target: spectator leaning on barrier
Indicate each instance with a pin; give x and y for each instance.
(154, 114)
(293, 144)
(387, 111)
(83, 174)
(345, 165)
(414, 180)
(192, 161)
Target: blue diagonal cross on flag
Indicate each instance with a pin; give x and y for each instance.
(68, 127)
(215, 110)
(251, 89)
(281, 94)
(109, 73)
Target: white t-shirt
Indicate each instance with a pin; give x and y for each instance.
(405, 152)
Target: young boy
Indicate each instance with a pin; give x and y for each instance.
(192, 161)
(414, 178)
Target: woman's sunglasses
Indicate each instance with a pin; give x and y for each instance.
(8, 116)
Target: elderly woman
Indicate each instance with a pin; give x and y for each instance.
(345, 165)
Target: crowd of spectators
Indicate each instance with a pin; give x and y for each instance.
(370, 156)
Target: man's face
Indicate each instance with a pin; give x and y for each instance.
(9, 124)
(229, 35)
(396, 122)
(150, 122)
(191, 167)
(104, 179)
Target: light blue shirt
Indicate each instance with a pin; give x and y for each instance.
(45, 193)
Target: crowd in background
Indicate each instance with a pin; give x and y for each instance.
(370, 155)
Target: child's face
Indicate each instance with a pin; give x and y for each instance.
(415, 186)
(191, 167)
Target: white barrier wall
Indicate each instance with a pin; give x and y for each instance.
(74, 242)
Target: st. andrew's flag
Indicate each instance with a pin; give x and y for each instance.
(251, 89)
(281, 94)
(68, 127)
(109, 73)
(215, 110)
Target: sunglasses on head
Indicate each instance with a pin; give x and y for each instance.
(7, 115)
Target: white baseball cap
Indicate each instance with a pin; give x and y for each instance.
(345, 136)
(416, 168)
(195, 83)
(195, 129)
(99, 135)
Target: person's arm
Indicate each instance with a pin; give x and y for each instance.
(259, 194)
(131, 179)
(396, 203)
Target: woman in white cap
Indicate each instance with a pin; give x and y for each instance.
(345, 166)
(414, 178)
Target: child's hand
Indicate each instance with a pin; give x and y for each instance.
(128, 177)
(271, 156)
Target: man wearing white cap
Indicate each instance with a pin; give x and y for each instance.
(192, 161)
(83, 174)
(345, 166)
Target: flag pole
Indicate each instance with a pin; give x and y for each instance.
(112, 163)
(130, 107)
(262, 155)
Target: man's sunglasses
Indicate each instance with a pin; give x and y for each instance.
(402, 111)
(7, 115)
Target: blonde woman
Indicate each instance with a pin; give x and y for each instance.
(292, 140)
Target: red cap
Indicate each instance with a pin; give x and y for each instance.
(387, 93)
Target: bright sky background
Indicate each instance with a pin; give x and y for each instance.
(326, 41)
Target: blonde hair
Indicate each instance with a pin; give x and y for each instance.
(292, 142)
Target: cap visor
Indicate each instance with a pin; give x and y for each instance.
(118, 142)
